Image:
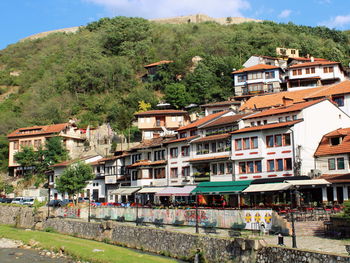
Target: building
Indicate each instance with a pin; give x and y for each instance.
(332, 163)
(36, 137)
(156, 123)
(95, 188)
(287, 52)
(281, 141)
(215, 107)
(153, 68)
(258, 79)
(338, 93)
(267, 60)
(314, 73)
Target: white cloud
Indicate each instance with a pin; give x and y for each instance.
(285, 13)
(337, 22)
(168, 8)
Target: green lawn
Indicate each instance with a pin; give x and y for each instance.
(81, 248)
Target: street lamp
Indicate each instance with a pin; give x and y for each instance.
(294, 238)
(137, 210)
(197, 223)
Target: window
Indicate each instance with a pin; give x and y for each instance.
(242, 168)
(250, 166)
(185, 150)
(193, 132)
(288, 118)
(294, 117)
(307, 70)
(269, 87)
(229, 168)
(214, 168)
(265, 122)
(15, 145)
(252, 124)
(221, 168)
(278, 140)
(288, 164)
(173, 172)
(238, 144)
(258, 168)
(327, 69)
(312, 70)
(331, 164)
(270, 75)
(335, 141)
(246, 143)
(339, 101)
(183, 135)
(135, 158)
(213, 147)
(269, 141)
(295, 72)
(292, 51)
(254, 75)
(199, 148)
(300, 71)
(186, 171)
(241, 78)
(159, 155)
(254, 142)
(279, 164)
(280, 119)
(286, 139)
(174, 152)
(340, 164)
(221, 146)
(270, 165)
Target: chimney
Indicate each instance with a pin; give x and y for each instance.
(287, 101)
(312, 59)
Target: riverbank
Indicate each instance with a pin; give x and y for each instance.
(85, 250)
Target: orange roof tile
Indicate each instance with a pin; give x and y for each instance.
(284, 109)
(267, 126)
(256, 68)
(224, 120)
(221, 103)
(161, 112)
(38, 130)
(149, 143)
(213, 137)
(209, 158)
(158, 63)
(335, 89)
(203, 120)
(183, 139)
(325, 148)
(336, 178)
(315, 63)
(307, 59)
(147, 163)
(276, 99)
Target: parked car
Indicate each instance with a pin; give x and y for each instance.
(84, 199)
(55, 203)
(7, 200)
(18, 200)
(28, 201)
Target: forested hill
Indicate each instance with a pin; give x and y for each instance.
(94, 74)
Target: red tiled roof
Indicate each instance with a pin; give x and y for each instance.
(335, 89)
(203, 120)
(256, 68)
(46, 129)
(224, 120)
(267, 126)
(336, 178)
(158, 63)
(213, 137)
(221, 103)
(147, 163)
(325, 148)
(284, 109)
(161, 112)
(307, 59)
(315, 63)
(154, 142)
(209, 158)
(183, 139)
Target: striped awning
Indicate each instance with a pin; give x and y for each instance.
(150, 190)
(125, 191)
(274, 187)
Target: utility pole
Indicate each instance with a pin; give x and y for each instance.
(197, 225)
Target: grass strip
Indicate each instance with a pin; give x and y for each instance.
(80, 248)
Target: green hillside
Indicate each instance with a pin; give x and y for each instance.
(94, 75)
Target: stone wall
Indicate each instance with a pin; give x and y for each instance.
(175, 244)
(290, 255)
(19, 216)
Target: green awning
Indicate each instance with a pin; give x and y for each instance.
(221, 187)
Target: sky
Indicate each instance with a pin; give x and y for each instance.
(22, 18)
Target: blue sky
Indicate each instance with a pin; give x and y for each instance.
(21, 18)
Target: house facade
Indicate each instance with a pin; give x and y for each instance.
(258, 79)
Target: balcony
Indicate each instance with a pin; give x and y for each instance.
(201, 177)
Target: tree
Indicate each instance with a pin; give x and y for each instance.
(5, 187)
(40, 160)
(176, 95)
(74, 178)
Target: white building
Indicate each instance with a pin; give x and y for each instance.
(256, 60)
(281, 140)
